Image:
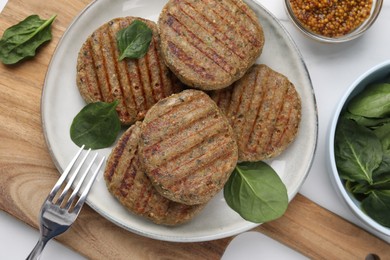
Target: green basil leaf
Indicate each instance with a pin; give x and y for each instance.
(374, 101)
(358, 151)
(96, 126)
(134, 40)
(255, 191)
(21, 40)
(377, 206)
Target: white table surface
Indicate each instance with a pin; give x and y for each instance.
(332, 69)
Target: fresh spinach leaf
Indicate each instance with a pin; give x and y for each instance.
(383, 184)
(383, 133)
(96, 126)
(384, 167)
(134, 40)
(377, 206)
(364, 121)
(255, 191)
(358, 151)
(374, 101)
(21, 40)
(357, 187)
(358, 190)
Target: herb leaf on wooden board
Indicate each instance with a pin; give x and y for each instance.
(134, 40)
(373, 102)
(255, 191)
(358, 151)
(96, 126)
(377, 206)
(21, 40)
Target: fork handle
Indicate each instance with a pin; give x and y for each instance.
(37, 251)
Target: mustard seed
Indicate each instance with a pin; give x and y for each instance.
(331, 18)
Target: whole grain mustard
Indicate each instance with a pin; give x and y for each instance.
(331, 18)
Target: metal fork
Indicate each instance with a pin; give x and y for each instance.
(57, 215)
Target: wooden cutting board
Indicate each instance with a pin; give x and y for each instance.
(27, 174)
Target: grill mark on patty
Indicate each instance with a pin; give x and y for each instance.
(129, 86)
(122, 107)
(121, 147)
(164, 86)
(197, 42)
(189, 165)
(279, 118)
(152, 58)
(219, 35)
(142, 202)
(258, 105)
(93, 87)
(128, 179)
(240, 109)
(95, 65)
(282, 133)
(261, 133)
(278, 107)
(175, 132)
(244, 8)
(187, 139)
(188, 61)
(226, 15)
(104, 68)
(292, 113)
(202, 178)
(141, 87)
(166, 121)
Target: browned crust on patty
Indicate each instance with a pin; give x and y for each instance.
(126, 180)
(264, 110)
(209, 44)
(136, 83)
(187, 147)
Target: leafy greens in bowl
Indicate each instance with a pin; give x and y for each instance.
(359, 148)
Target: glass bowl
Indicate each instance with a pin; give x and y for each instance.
(353, 34)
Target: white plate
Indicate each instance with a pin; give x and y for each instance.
(61, 101)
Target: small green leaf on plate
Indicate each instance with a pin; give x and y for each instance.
(255, 191)
(96, 126)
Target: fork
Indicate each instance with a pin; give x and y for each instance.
(57, 215)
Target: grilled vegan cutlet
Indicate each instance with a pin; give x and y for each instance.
(187, 147)
(136, 83)
(264, 110)
(209, 44)
(126, 180)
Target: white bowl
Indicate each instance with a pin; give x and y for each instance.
(378, 73)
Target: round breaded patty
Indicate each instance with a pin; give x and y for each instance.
(187, 147)
(209, 44)
(126, 180)
(136, 83)
(264, 110)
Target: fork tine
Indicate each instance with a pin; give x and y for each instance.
(87, 188)
(65, 174)
(71, 180)
(78, 186)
